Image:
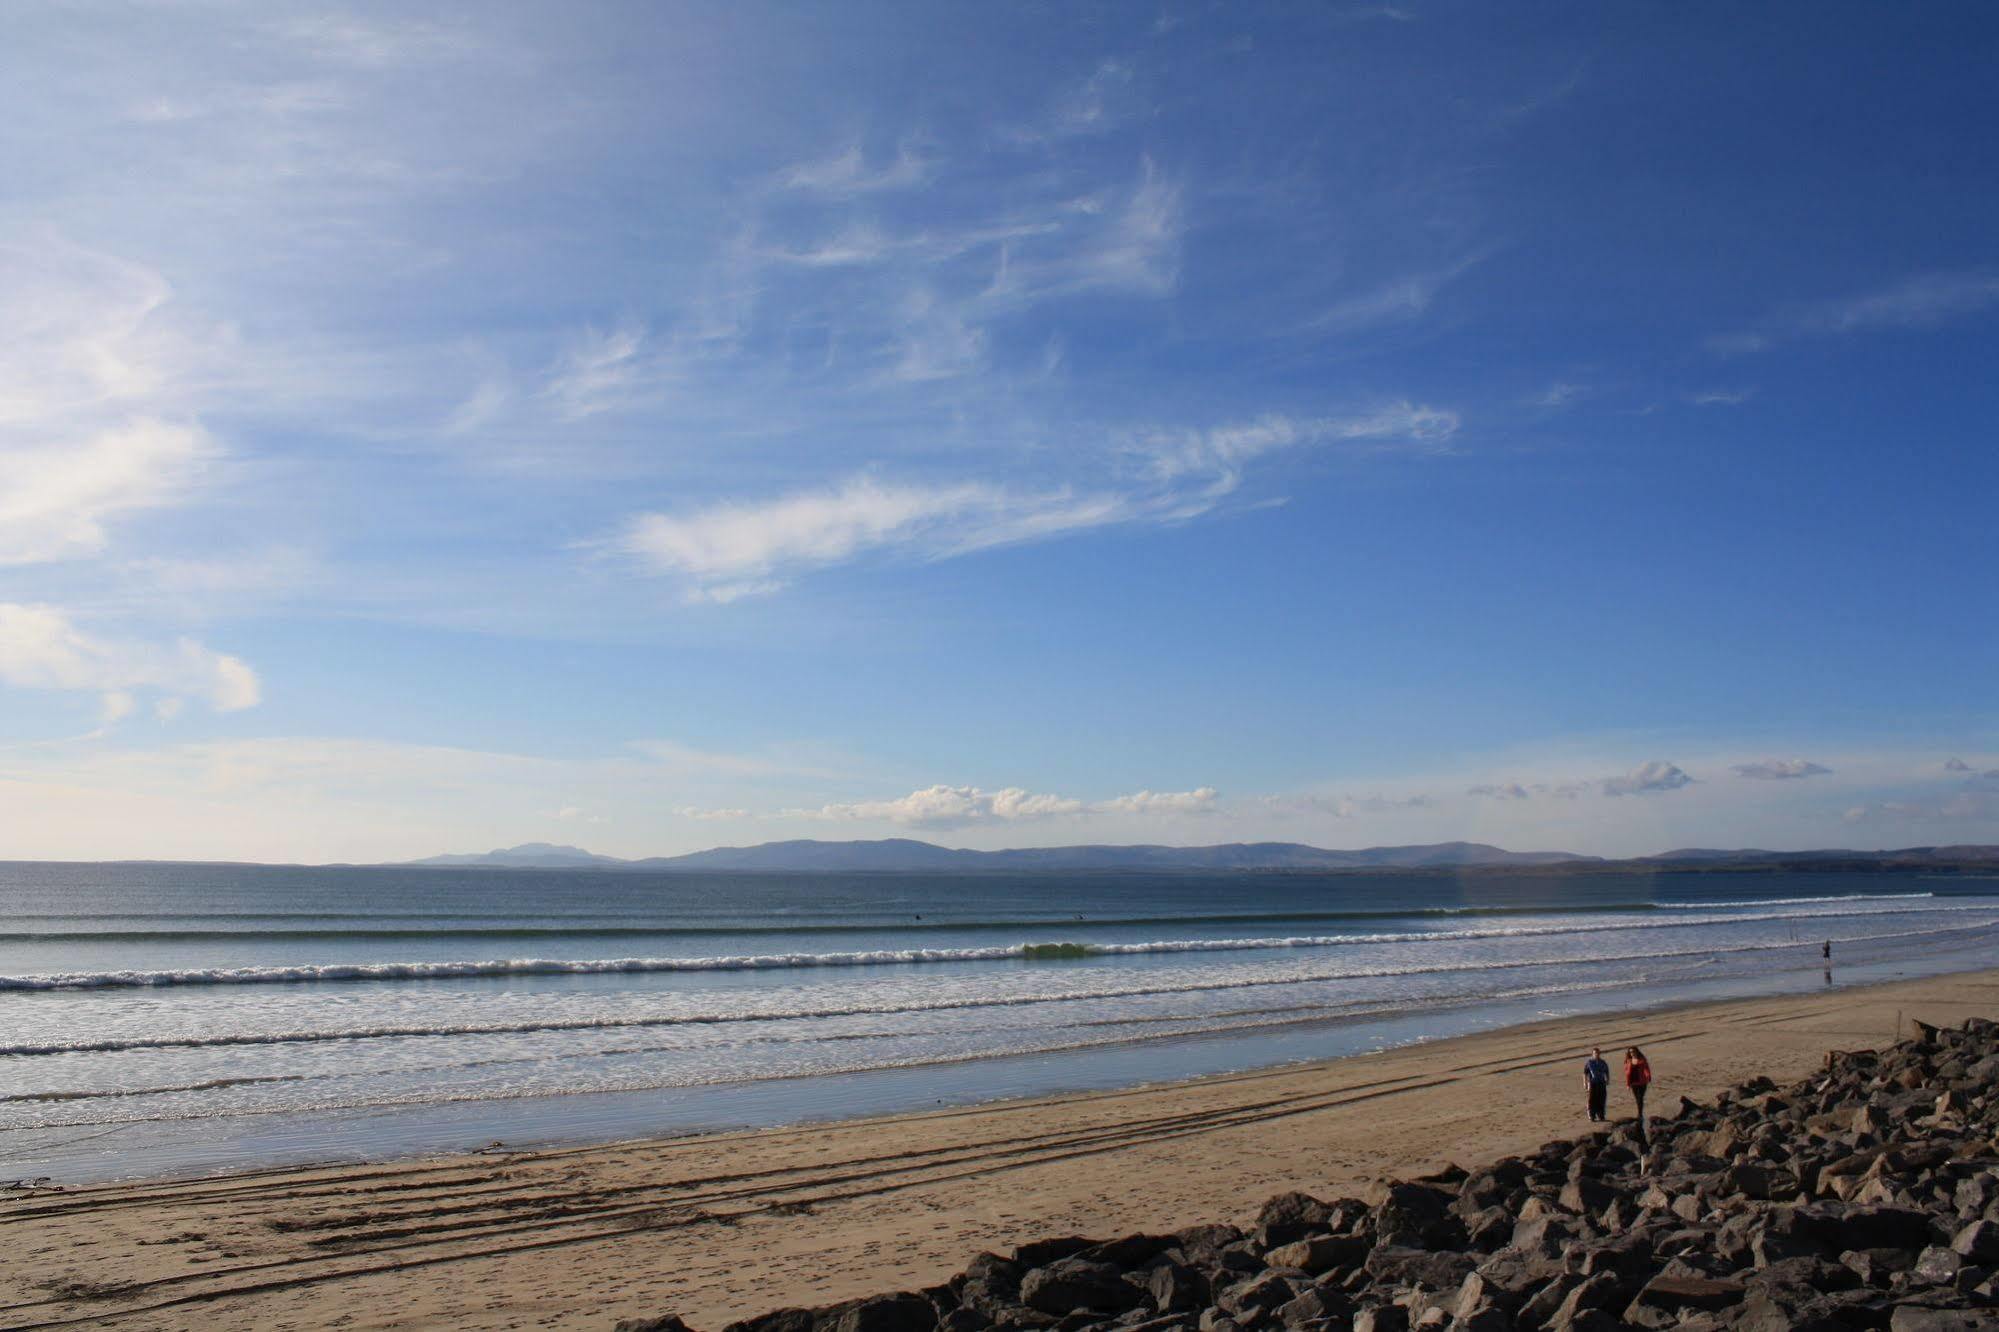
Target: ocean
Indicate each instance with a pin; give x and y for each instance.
(159, 1019)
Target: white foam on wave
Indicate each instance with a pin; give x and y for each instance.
(1053, 950)
(1794, 901)
(931, 1006)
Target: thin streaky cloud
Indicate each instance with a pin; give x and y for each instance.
(730, 550)
(1924, 300)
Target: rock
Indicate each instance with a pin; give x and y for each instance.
(1305, 1308)
(1489, 1229)
(1414, 1215)
(1177, 1288)
(663, 1323)
(1663, 1299)
(1838, 1229)
(1040, 1253)
(964, 1320)
(1541, 1234)
(887, 1313)
(1979, 1242)
(1319, 1253)
(1938, 1265)
(1875, 1266)
(1768, 1311)
(1586, 1196)
(778, 1320)
(1916, 1318)
(1290, 1217)
(1265, 1292)
(1596, 1293)
(1129, 1252)
(1403, 1266)
(1382, 1318)
(1202, 1244)
(1069, 1284)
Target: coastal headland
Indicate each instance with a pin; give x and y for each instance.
(728, 1226)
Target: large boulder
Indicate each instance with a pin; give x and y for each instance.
(1320, 1253)
(1069, 1284)
(1290, 1217)
(886, 1313)
(1415, 1216)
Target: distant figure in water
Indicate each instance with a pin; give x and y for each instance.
(1826, 951)
(1596, 1080)
(1638, 1076)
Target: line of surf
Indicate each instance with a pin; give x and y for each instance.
(447, 927)
(935, 1005)
(1048, 951)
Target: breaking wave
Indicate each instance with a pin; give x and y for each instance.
(1049, 951)
(934, 1005)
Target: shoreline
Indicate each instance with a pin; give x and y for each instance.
(582, 1235)
(92, 1152)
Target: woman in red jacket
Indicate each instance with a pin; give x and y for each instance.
(1637, 1076)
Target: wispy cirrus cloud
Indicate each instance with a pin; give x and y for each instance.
(1923, 300)
(847, 173)
(732, 549)
(1777, 770)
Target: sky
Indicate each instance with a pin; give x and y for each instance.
(647, 427)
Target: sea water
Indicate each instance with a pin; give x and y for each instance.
(162, 1018)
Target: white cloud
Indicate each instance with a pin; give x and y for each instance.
(1201, 800)
(1770, 770)
(1398, 301)
(96, 399)
(1223, 450)
(1921, 301)
(948, 806)
(1722, 397)
(1345, 806)
(711, 815)
(736, 548)
(732, 550)
(1141, 250)
(55, 500)
(1972, 805)
(847, 173)
(600, 372)
(40, 648)
(1645, 779)
(1514, 790)
(1559, 394)
(961, 806)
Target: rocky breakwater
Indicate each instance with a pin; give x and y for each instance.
(1865, 1197)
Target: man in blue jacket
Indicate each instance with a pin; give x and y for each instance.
(1596, 1076)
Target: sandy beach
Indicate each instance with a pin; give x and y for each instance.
(719, 1227)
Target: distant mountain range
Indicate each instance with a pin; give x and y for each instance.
(901, 854)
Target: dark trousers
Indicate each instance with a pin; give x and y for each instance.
(1597, 1091)
(1638, 1095)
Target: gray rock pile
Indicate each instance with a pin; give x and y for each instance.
(1865, 1197)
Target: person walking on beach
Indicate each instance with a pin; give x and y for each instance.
(1638, 1076)
(1596, 1078)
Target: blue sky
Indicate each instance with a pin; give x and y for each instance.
(651, 427)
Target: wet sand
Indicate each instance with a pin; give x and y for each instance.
(719, 1227)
